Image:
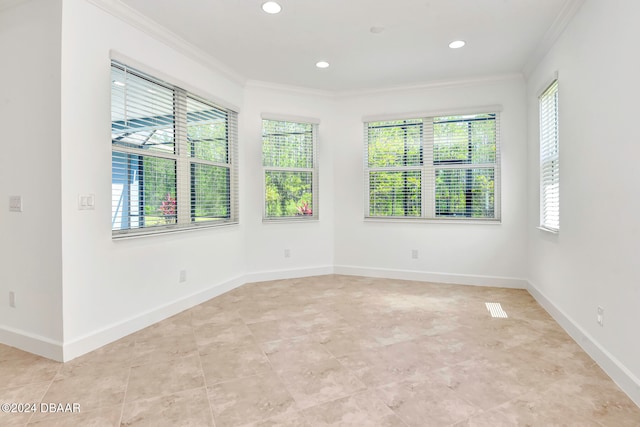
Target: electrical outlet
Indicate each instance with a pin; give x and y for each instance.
(183, 276)
(414, 254)
(600, 318)
(287, 253)
(12, 299)
(15, 204)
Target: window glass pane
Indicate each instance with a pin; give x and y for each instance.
(207, 132)
(288, 193)
(143, 191)
(172, 155)
(483, 140)
(210, 196)
(142, 114)
(549, 159)
(465, 139)
(465, 193)
(395, 143)
(287, 144)
(395, 193)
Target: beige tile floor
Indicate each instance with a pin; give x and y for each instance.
(330, 351)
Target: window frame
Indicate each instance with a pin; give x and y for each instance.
(429, 167)
(183, 160)
(314, 170)
(549, 155)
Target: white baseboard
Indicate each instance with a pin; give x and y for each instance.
(263, 276)
(619, 373)
(56, 350)
(114, 332)
(32, 343)
(459, 279)
(133, 324)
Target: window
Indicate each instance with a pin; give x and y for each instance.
(433, 168)
(290, 170)
(549, 159)
(173, 157)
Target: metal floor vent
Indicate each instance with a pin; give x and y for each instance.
(496, 310)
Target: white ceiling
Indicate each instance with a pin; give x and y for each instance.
(502, 37)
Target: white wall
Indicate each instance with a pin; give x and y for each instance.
(30, 259)
(310, 242)
(451, 251)
(74, 284)
(593, 260)
(119, 286)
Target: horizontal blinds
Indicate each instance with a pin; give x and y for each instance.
(394, 154)
(172, 155)
(142, 115)
(435, 167)
(465, 156)
(144, 160)
(549, 159)
(210, 148)
(290, 169)
(143, 191)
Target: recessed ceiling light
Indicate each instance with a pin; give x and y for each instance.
(271, 7)
(457, 44)
(322, 64)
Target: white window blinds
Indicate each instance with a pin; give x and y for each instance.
(173, 156)
(290, 169)
(433, 168)
(549, 159)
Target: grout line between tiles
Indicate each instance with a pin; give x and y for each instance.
(204, 377)
(46, 391)
(535, 392)
(298, 410)
(124, 397)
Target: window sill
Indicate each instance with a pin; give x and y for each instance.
(548, 230)
(290, 219)
(434, 221)
(161, 231)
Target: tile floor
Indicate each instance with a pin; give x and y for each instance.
(330, 351)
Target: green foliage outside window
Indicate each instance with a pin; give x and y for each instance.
(158, 182)
(172, 156)
(207, 141)
(445, 163)
(395, 193)
(288, 159)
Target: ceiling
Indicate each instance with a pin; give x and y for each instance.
(502, 37)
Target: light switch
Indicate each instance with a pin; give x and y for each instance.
(86, 202)
(15, 203)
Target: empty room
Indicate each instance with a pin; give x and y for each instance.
(319, 213)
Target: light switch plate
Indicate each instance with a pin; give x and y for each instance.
(86, 202)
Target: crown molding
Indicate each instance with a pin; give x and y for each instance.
(436, 84)
(150, 27)
(297, 90)
(552, 35)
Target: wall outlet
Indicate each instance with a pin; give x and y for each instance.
(183, 276)
(414, 254)
(600, 318)
(15, 203)
(287, 253)
(12, 299)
